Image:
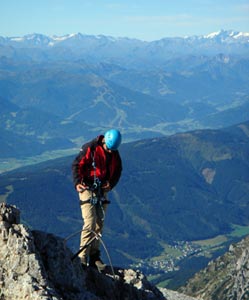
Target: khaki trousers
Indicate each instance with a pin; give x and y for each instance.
(93, 218)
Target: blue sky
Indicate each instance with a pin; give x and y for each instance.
(145, 20)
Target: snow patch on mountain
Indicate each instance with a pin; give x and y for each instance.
(224, 35)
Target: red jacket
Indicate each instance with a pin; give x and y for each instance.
(108, 165)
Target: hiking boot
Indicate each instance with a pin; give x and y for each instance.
(96, 262)
(83, 261)
(100, 265)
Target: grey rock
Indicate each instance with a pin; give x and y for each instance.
(37, 265)
(226, 278)
(173, 295)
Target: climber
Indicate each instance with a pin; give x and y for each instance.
(96, 171)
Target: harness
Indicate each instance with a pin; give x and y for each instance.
(97, 197)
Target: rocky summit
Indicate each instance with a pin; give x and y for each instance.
(37, 265)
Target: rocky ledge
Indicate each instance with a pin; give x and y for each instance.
(37, 265)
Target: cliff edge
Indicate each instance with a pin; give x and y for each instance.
(37, 265)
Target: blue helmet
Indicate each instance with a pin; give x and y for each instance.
(113, 139)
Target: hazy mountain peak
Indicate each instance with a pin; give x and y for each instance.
(64, 37)
(224, 35)
(37, 38)
(58, 39)
(218, 33)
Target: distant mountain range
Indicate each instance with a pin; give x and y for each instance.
(185, 187)
(106, 47)
(57, 92)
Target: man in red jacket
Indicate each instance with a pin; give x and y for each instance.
(96, 171)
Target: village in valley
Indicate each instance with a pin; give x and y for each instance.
(173, 255)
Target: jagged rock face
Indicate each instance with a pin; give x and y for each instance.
(226, 278)
(23, 275)
(128, 284)
(36, 265)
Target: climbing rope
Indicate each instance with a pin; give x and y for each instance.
(96, 236)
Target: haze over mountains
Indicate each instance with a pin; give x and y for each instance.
(57, 92)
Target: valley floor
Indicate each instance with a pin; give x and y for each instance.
(185, 258)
